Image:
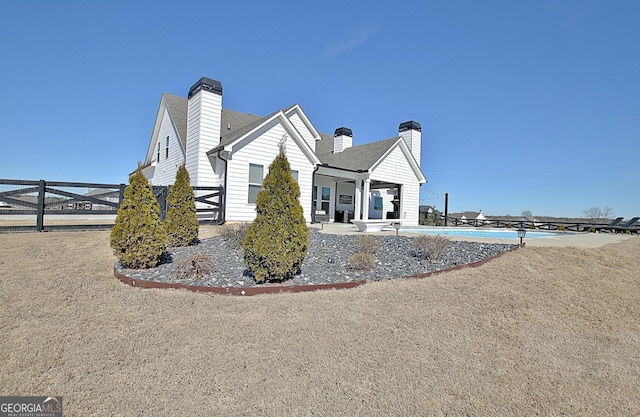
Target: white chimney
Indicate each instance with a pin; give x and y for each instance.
(342, 139)
(411, 132)
(203, 128)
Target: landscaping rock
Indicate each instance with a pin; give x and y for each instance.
(325, 263)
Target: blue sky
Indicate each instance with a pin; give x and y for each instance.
(524, 105)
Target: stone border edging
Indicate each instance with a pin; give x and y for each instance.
(277, 289)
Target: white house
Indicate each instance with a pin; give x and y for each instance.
(338, 181)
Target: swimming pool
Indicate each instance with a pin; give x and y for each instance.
(490, 233)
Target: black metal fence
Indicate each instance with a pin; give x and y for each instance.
(49, 205)
(524, 224)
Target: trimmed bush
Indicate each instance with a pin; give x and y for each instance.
(278, 239)
(363, 261)
(431, 247)
(194, 267)
(181, 223)
(138, 237)
(368, 243)
(235, 233)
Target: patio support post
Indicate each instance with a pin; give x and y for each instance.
(365, 199)
(358, 201)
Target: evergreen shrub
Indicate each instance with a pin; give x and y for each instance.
(138, 237)
(278, 239)
(181, 223)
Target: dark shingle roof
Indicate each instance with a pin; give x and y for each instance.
(235, 124)
(358, 158)
(178, 110)
(240, 125)
(325, 145)
(231, 121)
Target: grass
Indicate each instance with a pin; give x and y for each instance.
(543, 331)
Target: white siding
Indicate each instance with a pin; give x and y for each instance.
(262, 151)
(297, 122)
(395, 168)
(166, 168)
(342, 142)
(413, 139)
(387, 201)
(203, 134)
(347, 189)
(410, 203)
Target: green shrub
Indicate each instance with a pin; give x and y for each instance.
(181, 223)
(363, 261)
(194, 267)
(368, 243)
(234, 233)
(431, 247)
(278, 239)
(138, 237)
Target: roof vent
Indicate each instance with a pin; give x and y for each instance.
(410, 125)
(206, 84)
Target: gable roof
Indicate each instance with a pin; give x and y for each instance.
(231, 121)
(239, 136)
(325, 144)
(244, 126)
(235, 125)
(177, 107)
(358, 158)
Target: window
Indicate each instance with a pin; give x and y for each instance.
(377, 203)
(255, 182)
(166, 149)
(314, 197)
(326, 196)
(158, 152)
(295, 175)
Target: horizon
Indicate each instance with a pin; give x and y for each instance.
(523, 107)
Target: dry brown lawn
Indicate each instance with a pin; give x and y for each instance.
(539, 331)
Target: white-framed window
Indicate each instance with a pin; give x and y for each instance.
(294, 174)
(166, 149)
(158, 152)
(325, 198)
(256, 174)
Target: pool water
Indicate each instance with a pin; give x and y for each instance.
(490, 233)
